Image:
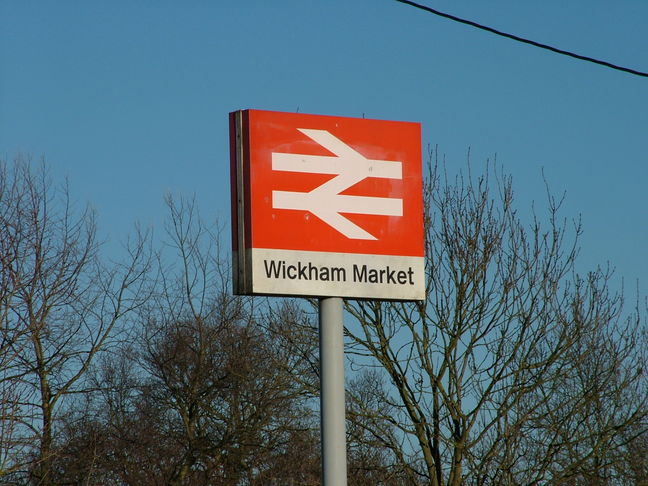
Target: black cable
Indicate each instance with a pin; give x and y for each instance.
(523, 40)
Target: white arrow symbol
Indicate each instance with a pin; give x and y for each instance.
(325, 201)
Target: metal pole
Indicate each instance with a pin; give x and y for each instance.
(332, 408)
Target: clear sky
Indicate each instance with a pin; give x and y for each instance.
(129, 99)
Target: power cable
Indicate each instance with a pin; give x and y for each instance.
(523, 40)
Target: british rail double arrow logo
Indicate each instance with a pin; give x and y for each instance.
(326, 201)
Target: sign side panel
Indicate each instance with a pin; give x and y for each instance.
(239, 159)
(246, 211)
(234, 195)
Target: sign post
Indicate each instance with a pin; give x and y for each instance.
(332, 405)
(329, 207)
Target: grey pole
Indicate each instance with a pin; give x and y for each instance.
(332, 409)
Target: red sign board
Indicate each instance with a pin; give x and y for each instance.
(326, 206)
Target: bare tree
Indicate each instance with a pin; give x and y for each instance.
(217, 369)
(515, 370)
(585, 420)
(58, 306)
(376, 450)
(633, 465)
(207, 394)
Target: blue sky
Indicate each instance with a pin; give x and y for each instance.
(129, 99)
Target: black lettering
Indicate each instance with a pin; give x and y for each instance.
(292, 276)
(272, 268)
(390, 276)
(338, 274)
(312, 272)
(302, 271)
(359, 274)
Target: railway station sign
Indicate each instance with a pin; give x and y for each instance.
(326, 206)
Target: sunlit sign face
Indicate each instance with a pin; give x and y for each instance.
(326, 206)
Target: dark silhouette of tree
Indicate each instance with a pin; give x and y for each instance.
(206, 395)
(210, 389)
(515, 370)
(59, 304)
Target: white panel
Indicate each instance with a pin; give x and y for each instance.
(324, 274)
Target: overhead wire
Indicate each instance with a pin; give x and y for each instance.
(524, 40)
